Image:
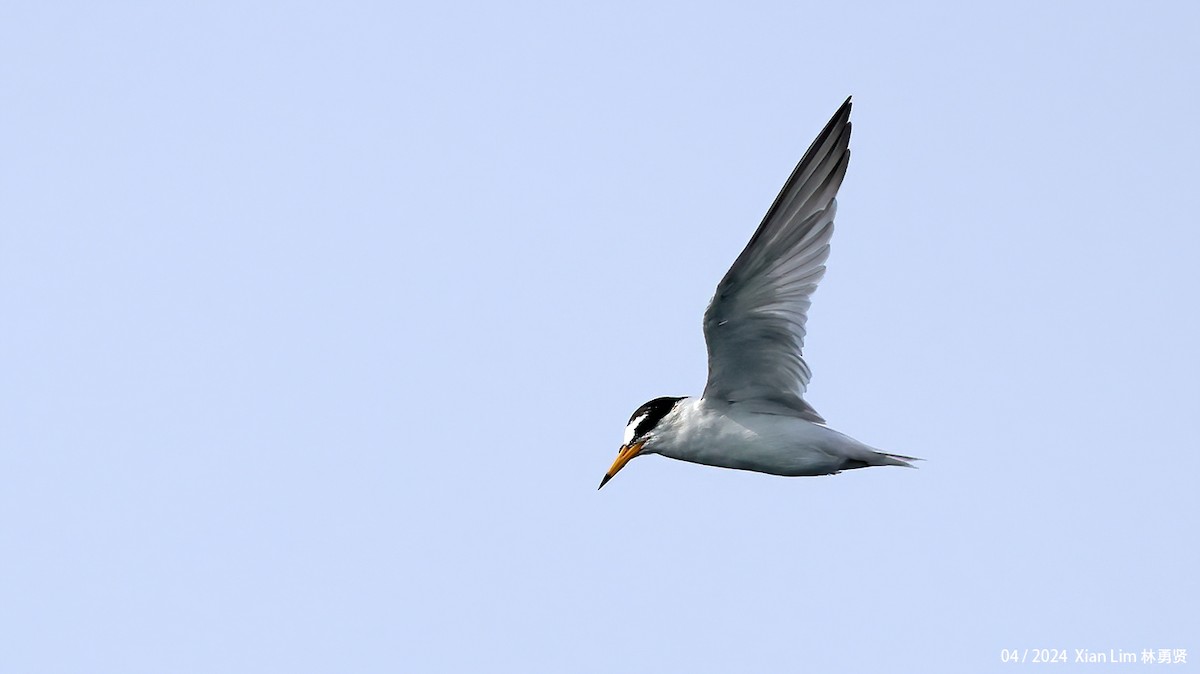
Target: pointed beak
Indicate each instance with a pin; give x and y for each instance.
(627, 452)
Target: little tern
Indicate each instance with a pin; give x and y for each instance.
(752, 415)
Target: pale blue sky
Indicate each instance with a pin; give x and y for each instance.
(323, 320)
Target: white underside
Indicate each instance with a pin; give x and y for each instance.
(722, 434)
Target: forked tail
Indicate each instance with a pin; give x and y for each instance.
(886, 459)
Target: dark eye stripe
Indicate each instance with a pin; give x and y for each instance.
(654, 410)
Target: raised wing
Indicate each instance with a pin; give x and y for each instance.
(754, 325)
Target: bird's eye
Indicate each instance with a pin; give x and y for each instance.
(631, 429)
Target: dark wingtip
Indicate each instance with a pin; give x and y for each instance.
(604, 482)
(843, 110)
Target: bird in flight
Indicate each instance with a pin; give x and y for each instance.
(753, 415)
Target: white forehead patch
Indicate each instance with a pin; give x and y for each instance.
(632, 427)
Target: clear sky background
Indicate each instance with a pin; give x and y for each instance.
(322, 321)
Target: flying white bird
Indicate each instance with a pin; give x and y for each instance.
(752, 415)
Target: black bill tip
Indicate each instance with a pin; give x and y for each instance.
(603, 482)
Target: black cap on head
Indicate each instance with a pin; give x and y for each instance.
(647, 416)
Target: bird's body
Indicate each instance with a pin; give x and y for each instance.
(753, 415)
(729, 435)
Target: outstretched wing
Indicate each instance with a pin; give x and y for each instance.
(754, 325)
